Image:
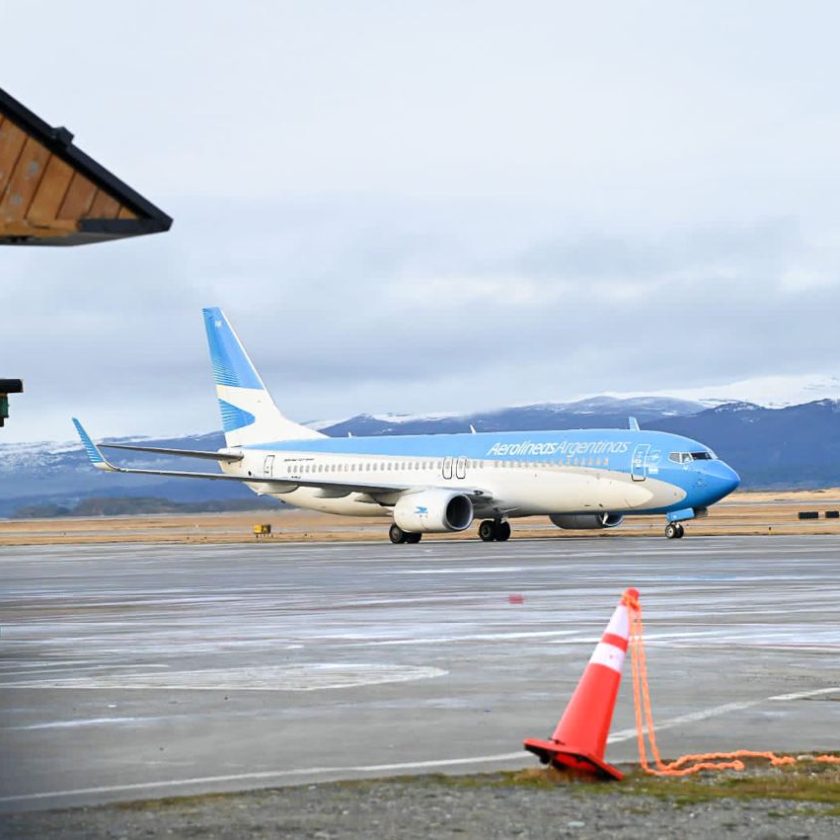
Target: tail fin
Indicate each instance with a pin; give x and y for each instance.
(249, 415)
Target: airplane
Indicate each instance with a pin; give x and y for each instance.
(426, 484)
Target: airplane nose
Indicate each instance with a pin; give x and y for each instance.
(730, 478)
(721, 478)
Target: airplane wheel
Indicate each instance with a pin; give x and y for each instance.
(502, 530)
(680, 531)
(413, 538)
(487, 530)
(397, 534)
(671, 531)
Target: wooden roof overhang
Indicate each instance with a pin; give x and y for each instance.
(52, 193)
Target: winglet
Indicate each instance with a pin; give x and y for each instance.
(96, 457)
(634, 424)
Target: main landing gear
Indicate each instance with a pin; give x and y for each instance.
(674, 531)
(397, 535)
(494, 529)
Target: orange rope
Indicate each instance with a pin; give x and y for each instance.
(686, 764)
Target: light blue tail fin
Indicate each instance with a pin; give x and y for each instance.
(249, 415)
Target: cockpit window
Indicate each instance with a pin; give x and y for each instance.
(688, 457)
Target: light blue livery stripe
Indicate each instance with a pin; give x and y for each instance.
(233, 417)
(231, 365)
(90, 447)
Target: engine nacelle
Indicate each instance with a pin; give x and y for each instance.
(434, 510)
(586, 521)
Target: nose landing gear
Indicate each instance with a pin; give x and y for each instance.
(492, 530)
(674, 531)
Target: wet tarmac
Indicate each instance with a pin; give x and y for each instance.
(137, 671)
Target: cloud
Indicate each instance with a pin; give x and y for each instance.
(376, 306)
(418, 208)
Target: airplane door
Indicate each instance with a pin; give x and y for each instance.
(268, 466)
(638, 463)
(447, 468)
(461, 468)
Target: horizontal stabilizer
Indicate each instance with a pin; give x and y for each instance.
(227, 457)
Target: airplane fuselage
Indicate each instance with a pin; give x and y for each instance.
(522, 473)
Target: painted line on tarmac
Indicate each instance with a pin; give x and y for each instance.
(717, 711)
(621, 735)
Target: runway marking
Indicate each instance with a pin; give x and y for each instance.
(475, 570)
(270, 678)
(476, 637)
(621, 735)
(717, 711)
(72, 724)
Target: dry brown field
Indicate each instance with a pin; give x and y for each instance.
(767, 512)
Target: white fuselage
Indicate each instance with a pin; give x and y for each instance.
(522, 487)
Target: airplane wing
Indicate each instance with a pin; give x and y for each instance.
(227, 457)
(278, 485)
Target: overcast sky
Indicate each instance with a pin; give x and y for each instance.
(430, 206)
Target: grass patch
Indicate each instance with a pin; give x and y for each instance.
(804, 782)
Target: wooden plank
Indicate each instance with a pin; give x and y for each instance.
(79, 197)
(25, 228)
(104, 207)
(125, 213)
(51, 191)
(25, 179)
(11, 143)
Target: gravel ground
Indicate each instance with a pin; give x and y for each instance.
(485, 807)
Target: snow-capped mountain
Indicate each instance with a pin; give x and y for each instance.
(764, 391)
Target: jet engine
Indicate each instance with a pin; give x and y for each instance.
(433, 510)
(586, 521)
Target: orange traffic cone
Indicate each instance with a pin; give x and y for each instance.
(580, 739)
